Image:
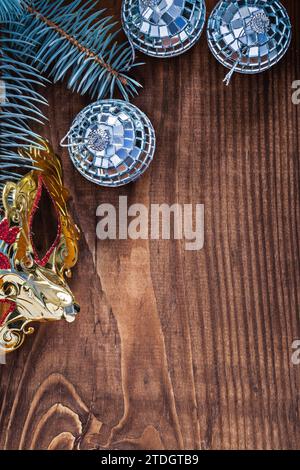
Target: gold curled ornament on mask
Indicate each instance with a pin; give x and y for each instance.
(33, 284)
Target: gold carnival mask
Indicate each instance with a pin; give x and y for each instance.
(32, 277)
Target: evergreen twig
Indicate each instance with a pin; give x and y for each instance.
(78, 39)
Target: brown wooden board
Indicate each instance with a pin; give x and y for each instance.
(177, 349)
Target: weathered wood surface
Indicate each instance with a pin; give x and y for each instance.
(176, 349)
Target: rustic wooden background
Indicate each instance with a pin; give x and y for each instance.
(176, 349)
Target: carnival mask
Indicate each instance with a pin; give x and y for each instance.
(32, 277)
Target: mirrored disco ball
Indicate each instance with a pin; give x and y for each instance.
(249, 36)
(111, 142)
(163, 28)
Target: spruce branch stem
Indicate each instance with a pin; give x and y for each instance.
(88, 53)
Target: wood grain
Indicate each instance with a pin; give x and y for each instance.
(176, 349)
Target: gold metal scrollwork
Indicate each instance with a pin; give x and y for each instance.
(34, 289)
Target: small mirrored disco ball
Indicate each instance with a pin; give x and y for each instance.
(111, 142)
(248, 36)
(163, 28)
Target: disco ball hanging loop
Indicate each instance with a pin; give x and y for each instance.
(111, 142)
(163, 28)
(248, 36)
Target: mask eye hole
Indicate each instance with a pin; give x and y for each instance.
(44, 226)
(10, 289)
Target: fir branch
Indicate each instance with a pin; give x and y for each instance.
(9, 9)
(77, 39)
(19, 103)
(88, 53)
